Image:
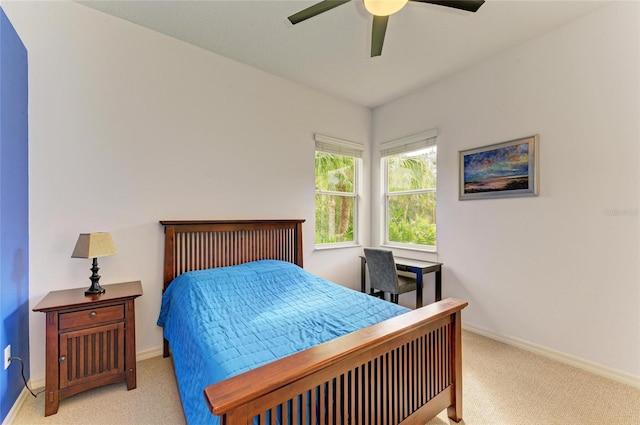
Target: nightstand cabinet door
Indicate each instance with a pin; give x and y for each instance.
(89, 356)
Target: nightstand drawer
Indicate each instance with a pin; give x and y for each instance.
(92, 317)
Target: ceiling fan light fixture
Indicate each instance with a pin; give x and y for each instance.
(384, 7)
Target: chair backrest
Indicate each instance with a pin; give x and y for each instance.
(382, 270)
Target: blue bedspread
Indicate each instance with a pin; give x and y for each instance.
(222, 322)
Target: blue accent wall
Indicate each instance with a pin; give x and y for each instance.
(14, 213)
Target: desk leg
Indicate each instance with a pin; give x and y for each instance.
(438, 285)
(363, 280)
(419, 278)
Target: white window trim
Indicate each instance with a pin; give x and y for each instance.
(345, 148)
(394, 147)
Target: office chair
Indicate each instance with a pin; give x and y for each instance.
(383, 275)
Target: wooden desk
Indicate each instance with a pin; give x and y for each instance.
(420, 268)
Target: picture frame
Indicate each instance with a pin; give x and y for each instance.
(506, 169)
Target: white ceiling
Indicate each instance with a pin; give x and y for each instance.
(330, 52)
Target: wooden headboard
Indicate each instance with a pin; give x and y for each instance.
(204, 244)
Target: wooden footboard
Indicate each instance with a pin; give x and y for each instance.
(403, 370)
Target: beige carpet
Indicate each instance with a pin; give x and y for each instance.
(503, 385)
(154, 401)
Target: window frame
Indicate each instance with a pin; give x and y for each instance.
(395, 147)
(344, 148)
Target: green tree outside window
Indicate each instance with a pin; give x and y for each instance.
(335, 198)
(411, 197)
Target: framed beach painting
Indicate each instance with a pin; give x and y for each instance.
(500, 170)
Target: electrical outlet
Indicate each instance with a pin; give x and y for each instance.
(7, 354)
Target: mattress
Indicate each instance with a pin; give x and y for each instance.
(225, 321)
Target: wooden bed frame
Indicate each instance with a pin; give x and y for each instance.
(404, 370)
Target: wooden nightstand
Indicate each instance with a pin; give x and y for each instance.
(90, 342)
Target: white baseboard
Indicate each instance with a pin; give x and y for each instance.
(613, 374)
(148, 354)
(36, 384)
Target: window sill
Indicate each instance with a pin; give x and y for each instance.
(336, 246)
(433, 250)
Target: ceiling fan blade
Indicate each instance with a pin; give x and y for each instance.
(468, 5)
(314, 10)
(377, 34)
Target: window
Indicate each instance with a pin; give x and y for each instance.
(338, 164)
(409, 171)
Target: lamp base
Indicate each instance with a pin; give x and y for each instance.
(95, 288)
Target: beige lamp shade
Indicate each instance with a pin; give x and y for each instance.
(93, 245)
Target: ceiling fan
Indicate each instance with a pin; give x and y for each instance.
(380, 9)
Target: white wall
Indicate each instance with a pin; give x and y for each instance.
(128, 127)
(555, 270)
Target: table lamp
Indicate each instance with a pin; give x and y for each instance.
(94, 245)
